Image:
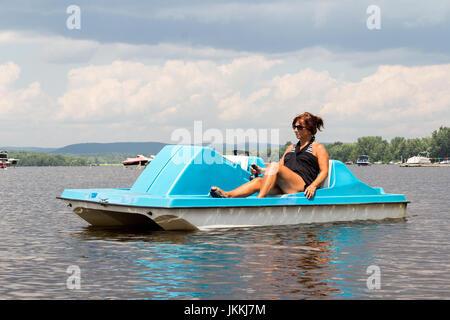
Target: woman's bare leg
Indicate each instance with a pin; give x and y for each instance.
(247, 189)
(242, 191)
(269, 179)
(283, 178)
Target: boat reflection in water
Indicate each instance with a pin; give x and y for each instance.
(289, 262)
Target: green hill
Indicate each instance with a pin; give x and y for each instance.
(115, 147)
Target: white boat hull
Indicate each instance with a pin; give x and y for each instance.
(418, 160)
(108, 215)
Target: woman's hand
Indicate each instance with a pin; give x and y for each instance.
(254, 168)
(310, 191)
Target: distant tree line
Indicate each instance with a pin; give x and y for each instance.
(45, 159)
(398, 149)
(378, 149)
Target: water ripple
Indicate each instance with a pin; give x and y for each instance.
(40, 239)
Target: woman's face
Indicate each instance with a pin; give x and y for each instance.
(301, 133)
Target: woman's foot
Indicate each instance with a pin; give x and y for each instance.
(218, 193)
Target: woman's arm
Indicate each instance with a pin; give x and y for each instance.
(263, 170)
(322, 157)
(287, 150)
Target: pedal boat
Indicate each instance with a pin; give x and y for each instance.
(172, 193)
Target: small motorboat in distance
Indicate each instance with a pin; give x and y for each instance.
(172, 193)
(140, 160)
(5, 161)
(363, 160)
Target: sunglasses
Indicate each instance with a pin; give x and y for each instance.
(299, 127)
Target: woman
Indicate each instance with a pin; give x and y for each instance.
(302, 168)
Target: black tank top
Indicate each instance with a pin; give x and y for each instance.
(303, 162)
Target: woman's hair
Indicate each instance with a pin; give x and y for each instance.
(312, 122)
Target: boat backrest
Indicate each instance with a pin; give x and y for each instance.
(327, 182)
(189, 170)
(241, 160)
(245, 161)
(340, 180)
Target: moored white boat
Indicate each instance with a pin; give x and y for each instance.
(421, 158)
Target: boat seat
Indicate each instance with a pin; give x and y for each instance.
(327, 182)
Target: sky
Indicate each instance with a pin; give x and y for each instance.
(118, 71)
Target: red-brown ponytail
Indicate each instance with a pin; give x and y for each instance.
(312, 122)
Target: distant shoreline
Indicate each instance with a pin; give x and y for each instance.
(425, 165)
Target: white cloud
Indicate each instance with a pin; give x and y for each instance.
(9, 73)
(178, 93)
(148, 100)
(20, 103)
(394, 93)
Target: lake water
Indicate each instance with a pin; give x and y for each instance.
(40, 239)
